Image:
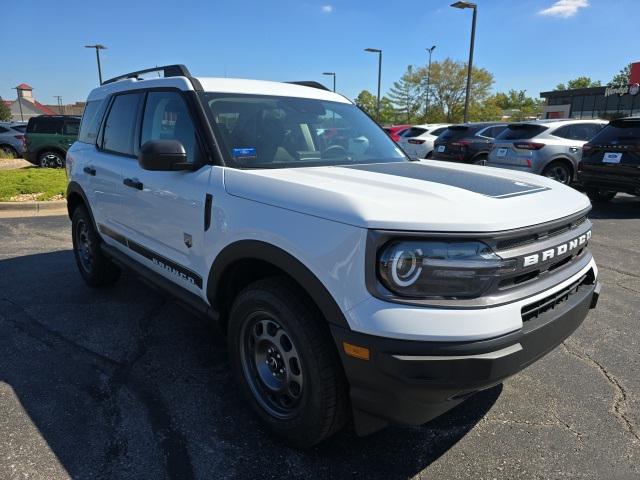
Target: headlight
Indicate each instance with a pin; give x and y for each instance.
(440, 269)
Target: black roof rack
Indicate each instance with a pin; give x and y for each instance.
(311, 83)
(167, 70)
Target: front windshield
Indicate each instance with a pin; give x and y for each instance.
(258, 131)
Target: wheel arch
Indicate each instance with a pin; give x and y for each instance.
(246, 261)
(75, 198)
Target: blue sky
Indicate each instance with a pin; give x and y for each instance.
(42, 40)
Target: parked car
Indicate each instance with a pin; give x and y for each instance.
(49, 137)
(12, 141)
(467, 142)
(611, 161)
(417, 141)
(395, 131)
(551, 148)
(350, 283)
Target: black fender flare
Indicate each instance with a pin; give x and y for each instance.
(73, 189)
(266, 252)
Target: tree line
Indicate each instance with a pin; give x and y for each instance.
(407, 100)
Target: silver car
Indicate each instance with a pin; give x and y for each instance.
(552, 148)
(12, 139)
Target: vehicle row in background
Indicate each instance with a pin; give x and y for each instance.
(467, 143)
(395, 131)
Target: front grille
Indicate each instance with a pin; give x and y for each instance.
(510, 243)
(535, 309)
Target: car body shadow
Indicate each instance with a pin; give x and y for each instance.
(124, 383)
(620, 208)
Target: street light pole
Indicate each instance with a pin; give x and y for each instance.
(18, 90)
(334, 79)
(474, 7)
(59, 98)
(379, 52)
(426, 109)
(98, 47)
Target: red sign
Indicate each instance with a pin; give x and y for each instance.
(634, 77)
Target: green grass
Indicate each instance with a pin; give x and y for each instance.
(40, 183)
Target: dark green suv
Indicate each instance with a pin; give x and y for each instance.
(49, 137)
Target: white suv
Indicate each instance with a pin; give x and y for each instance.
(352, 283)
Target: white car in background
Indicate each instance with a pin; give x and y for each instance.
(417, 142)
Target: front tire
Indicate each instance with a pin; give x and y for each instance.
(96, 269)
(51, 159)
(286, 363)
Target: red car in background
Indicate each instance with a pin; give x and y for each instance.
(394, 131)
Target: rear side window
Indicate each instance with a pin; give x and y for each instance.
(45, 125)
(452, 133)
(121, 124)
(578, 131)
(521, 132)
(71, 127)
(414, 132)
(91, 118)
(20, 128)
(618, 133)
(3, 130)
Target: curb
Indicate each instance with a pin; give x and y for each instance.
(32, 207)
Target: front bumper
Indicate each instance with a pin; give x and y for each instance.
(411, 382)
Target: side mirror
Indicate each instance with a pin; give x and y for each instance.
(164, 155)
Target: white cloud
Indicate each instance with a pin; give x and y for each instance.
(327, 8)
(564, 8)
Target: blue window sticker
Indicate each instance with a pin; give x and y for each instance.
(244, 152)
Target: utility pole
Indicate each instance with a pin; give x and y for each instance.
(379, 52)
(60, 107)
(426, 108)
(98, 47)
(474, 7)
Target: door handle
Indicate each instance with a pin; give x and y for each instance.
(130, 182)
(89, 171)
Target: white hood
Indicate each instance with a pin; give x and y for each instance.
(422, 196)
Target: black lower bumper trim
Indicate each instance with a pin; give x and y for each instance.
(412, 382)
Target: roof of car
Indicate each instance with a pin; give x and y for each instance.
(220, 85)
(431, 125)
(559, 121)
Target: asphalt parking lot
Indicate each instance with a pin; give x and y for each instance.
(124, 383)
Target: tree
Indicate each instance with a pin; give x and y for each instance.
(448, 87)
(622, 77)
(5, 112)
(404, 95)
(580, 82)
(367, 102)
(518, 106)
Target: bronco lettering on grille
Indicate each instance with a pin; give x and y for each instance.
(557, 251)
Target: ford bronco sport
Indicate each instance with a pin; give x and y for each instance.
(351, 282)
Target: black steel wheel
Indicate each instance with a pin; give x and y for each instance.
(271, 363)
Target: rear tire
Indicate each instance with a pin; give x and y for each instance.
(286, 363)
(9, 151)
(96, 269)
(480, 160)
(51, 159)
(558, 171)
(600, 196)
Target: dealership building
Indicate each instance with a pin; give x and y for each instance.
(597, 102)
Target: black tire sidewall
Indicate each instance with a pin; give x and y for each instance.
(555, 164)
